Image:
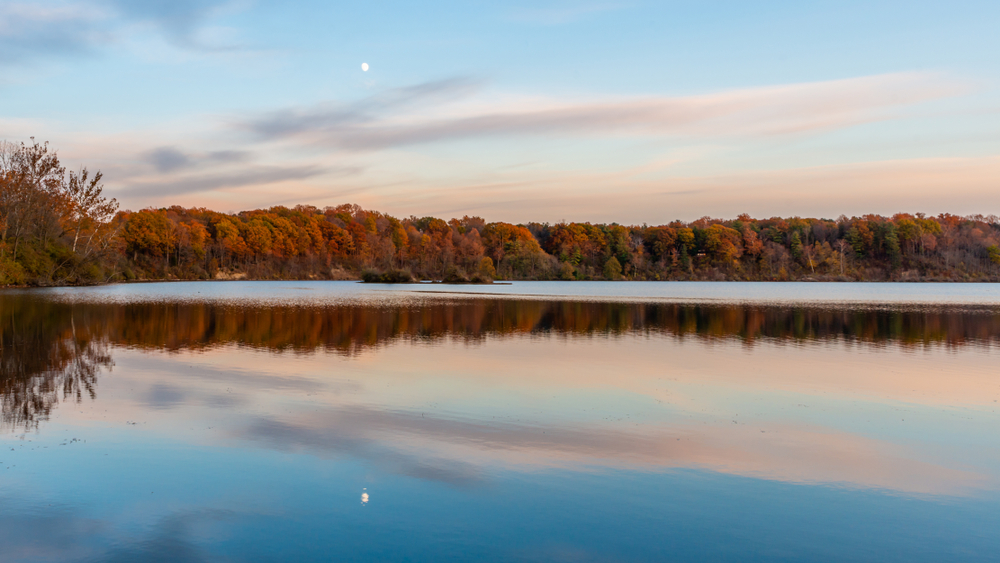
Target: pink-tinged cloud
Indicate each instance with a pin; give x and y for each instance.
(795, 108)
(932, 185)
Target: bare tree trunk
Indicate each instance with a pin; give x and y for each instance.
(841, 244)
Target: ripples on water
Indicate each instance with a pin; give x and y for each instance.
(526, 422)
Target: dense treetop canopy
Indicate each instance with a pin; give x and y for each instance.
(58, 228)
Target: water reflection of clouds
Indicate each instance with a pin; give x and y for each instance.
(338, 434)
(65, 534)
(812, 417)
(53, 535)
(571, 386)
(464, 452)
(165, 396)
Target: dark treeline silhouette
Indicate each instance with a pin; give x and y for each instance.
(57, 228)
(350, 329)
(52, 351)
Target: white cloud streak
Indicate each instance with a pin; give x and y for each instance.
(778, 110)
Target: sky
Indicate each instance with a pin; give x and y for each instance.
(548, 110)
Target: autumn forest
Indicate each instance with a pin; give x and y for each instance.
(57, 227)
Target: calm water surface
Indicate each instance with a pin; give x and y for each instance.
(335, 421)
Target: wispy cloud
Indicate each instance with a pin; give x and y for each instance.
(181, 22)
(370, 111)
(414, 117)
(178, 19)
(172, 159)
(257, 175)
(47, 28)
(29, 31)
(933, 185)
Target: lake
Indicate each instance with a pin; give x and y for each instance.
(536, 421)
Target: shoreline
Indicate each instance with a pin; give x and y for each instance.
(500, 282)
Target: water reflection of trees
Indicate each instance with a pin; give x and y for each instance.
(48, 353)
(349, 329)
(51, 352)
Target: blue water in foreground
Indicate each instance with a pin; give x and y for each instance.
(334, 421)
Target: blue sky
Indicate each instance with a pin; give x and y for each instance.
(546, 110)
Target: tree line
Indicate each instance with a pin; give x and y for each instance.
(58, 228)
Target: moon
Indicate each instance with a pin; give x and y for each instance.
(364, 67)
